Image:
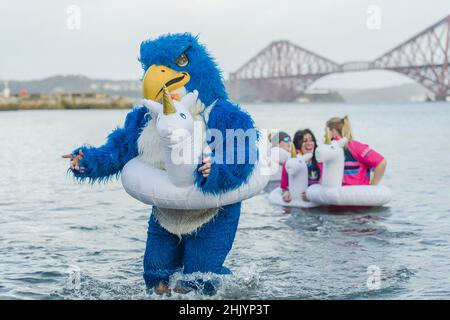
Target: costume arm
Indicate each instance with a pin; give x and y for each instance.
(234, 148)
(101, 163)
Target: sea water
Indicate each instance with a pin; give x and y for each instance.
(64, 240)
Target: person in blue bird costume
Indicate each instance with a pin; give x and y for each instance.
(191, 243)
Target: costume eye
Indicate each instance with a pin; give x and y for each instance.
(182, 60)
(183, 115)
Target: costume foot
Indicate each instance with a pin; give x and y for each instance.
(162, 288)
(205, 288)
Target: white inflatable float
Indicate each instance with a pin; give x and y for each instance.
(174, 187)
(277, 157)
(330, 191)
(297, 170)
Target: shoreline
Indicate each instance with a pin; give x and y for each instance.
(71, 107)
(66, 102)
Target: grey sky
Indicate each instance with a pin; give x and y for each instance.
(36, 42)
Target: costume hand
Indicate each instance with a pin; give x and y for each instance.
(205, 169)
(75, 160)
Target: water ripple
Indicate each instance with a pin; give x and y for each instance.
(64, 240)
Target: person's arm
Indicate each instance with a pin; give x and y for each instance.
(365, 154)
(99, 164)
(379, 172)
(232, 160)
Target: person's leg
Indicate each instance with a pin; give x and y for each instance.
(163, 254)
(207, 249)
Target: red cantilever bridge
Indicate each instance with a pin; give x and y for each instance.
(283, 70)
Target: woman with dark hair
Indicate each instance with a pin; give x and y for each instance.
(305, 142)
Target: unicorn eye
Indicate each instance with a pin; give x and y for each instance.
(183, 115)
(182, 60)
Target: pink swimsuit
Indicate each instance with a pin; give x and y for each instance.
(360, 159)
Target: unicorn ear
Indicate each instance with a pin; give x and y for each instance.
(327, 136)
(155, 107)
(342, 142)
(293, 152)
(189, 99)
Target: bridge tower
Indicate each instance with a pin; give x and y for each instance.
(424, 58)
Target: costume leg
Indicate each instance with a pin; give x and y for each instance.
(207, 249)
(163, 254)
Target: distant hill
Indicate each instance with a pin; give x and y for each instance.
(77, 83)
(132, 88)
(244, 92)
(396, 94)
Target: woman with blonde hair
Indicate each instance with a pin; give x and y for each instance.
(360, 159)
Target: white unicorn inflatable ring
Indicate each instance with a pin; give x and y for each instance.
(174, 187)
(297, 170)
(277, 157)
(330, 191)
(175, 127)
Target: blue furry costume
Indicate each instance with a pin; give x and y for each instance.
(205, 249)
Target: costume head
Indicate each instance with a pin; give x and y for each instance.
(181, 63)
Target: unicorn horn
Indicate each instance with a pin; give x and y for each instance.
(168, 107)
(293, 152)
(328, 136)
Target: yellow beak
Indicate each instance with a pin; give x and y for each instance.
(158, 77)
